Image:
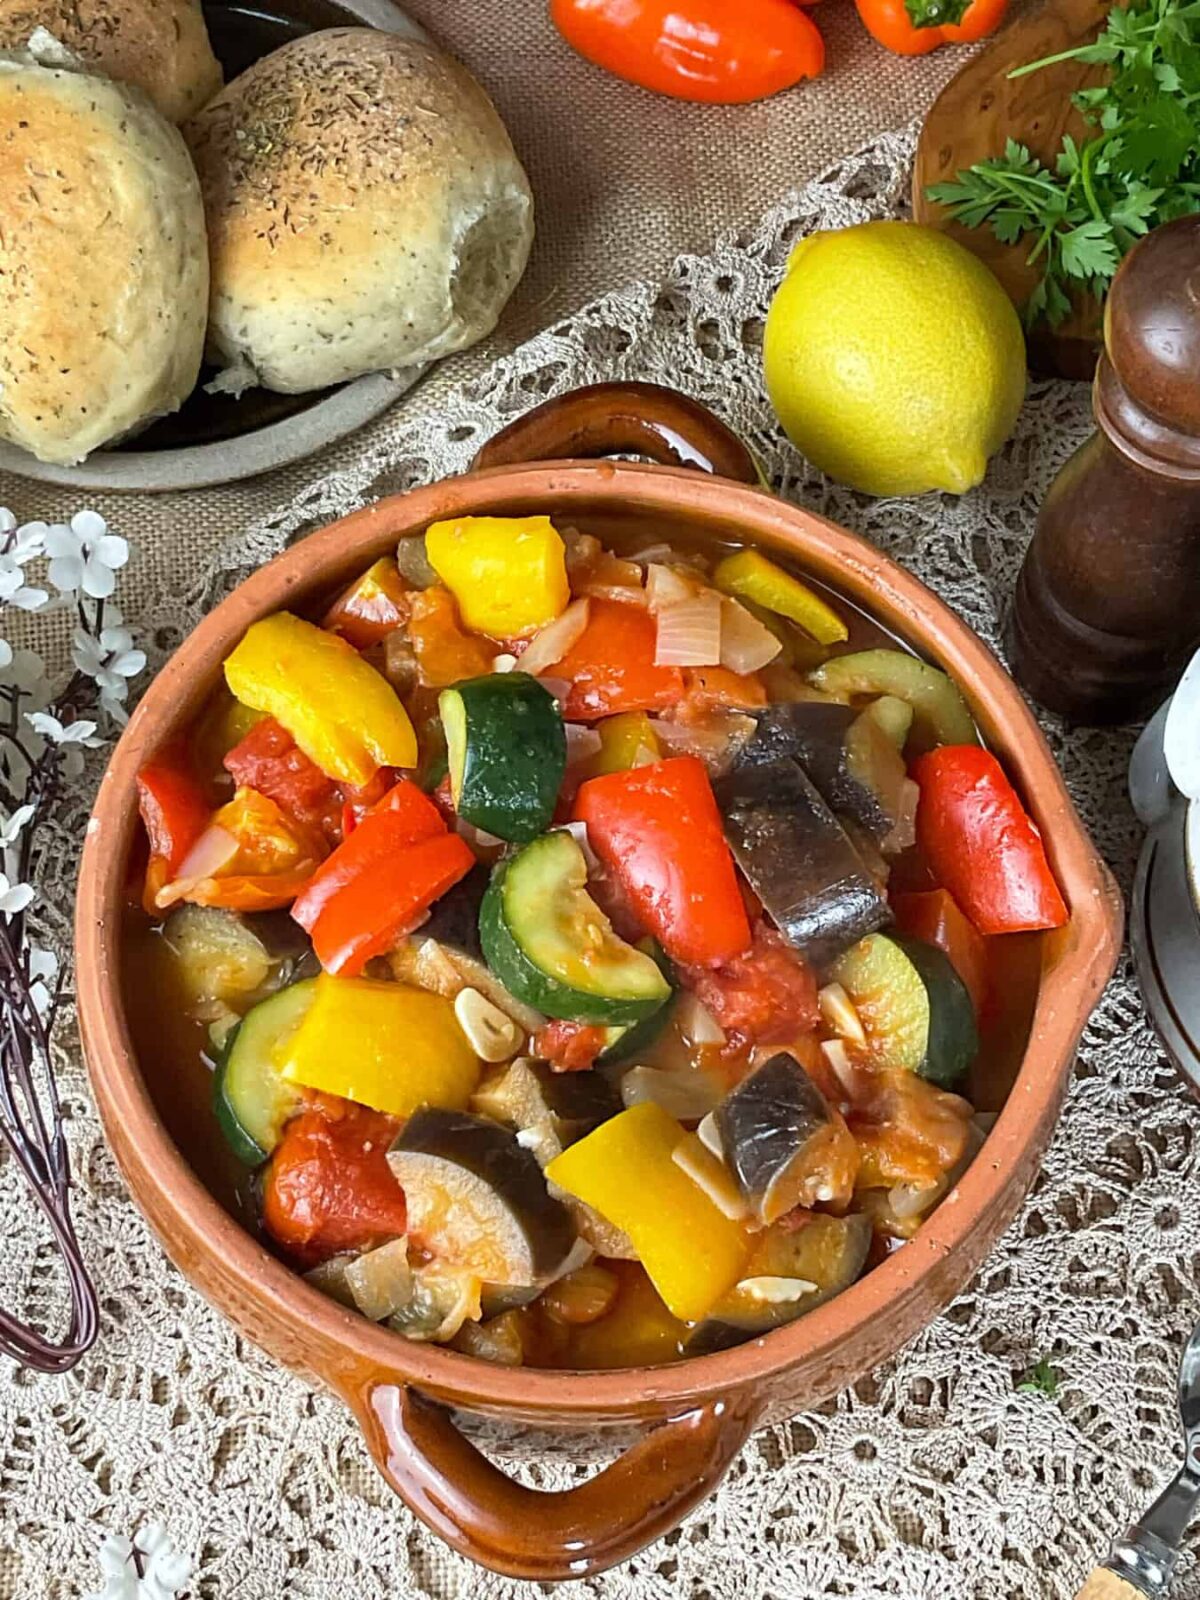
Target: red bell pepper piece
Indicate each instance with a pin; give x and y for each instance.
(174, 812)
(658, 831)
(329, 1187)
(372, 607)
(765, 995)
(936, 918)
(610, 667)
(380, 880)
(269, 759)
(982, 845)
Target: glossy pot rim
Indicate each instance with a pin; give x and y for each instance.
(192, 1223)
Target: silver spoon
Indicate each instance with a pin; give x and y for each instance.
(1141, 1564)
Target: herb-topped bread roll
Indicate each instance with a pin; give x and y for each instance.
(103, 266)
(366, 211)
(161, 46)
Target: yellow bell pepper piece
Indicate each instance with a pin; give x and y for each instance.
(384, 1045)
(508, 574)
(626, 740)
(343, 714)
(691, 1251)
(751, 576)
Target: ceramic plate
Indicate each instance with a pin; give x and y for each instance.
(215, 439)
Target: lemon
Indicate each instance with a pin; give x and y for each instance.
(894, 359)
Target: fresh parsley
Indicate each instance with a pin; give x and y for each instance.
(1042, 1378)
(1138, 167)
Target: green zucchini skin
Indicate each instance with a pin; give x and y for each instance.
(531, 897)
(953, 1034)
(626, 1043)
(250, 1098)
(507, 753)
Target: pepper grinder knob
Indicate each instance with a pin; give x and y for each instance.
(1107, 606)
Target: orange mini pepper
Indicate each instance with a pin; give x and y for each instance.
(915, 27)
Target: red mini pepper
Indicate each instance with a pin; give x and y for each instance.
(372, 607)
(981, 844)
(610, 667)
(329, 1187)
(269, 759)
(380, 880)
(658, 831)
(174, 812)
(696, 49)
(915, 27)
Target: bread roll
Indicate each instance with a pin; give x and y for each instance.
(365, 208)
(103, 266)
(159, 45)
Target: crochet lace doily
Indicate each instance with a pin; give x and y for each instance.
(936, 1478)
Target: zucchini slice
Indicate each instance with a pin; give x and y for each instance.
(914, 1007)
(942, 714)
(799, 860)
(478, 1199)
(251, 1098)
(624, 1043)
(550, 944)
(507, 753)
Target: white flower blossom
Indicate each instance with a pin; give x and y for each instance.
(24, 669)
(10, 827)
(14, 590)
(84, 555)
(108, 660)
(14, 897)
(43, 969)
(166, 1570)
(81, 732)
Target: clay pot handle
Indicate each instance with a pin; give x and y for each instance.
(1101, 1584)
(624, 418)
(547, 1537)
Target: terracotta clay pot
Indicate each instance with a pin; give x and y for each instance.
(696, 1414)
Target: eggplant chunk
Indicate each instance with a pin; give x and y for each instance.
(783, 1141)
(799, 861)
(550, 1109)
(790, 1273)
(454, 920)
(477, 1198)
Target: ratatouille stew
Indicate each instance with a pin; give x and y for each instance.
(585, 957)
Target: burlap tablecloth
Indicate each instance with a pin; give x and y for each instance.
(624, 180)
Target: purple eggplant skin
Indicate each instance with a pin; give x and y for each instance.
(455, 1140)
(767, 1126)
(799, 860)
(814, 734)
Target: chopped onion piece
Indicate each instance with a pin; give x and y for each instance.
(709, 1136)
(578, 832)
(582, 743)
(414, 564)
(839, 1059)
(380, 1280)
(504, 663)
(904, 831)
(696, 1022)
(551, 643)
(330, 1278)
(776, 1291)
(716, 741)
(479, 837)
(560, 688)
(838, 1013)
(709, 1173)
(907, 1200)
(746, 644)
(689, 632)
(687, 1094)
(667, 587)
(214, 849)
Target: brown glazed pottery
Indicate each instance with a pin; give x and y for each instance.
(694, 1415)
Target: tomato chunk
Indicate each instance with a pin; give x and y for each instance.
(328, 1187)
(569, 1046)
(767, 995)
(269, 759)
(610, 667)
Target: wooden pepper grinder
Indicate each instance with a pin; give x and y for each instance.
(1107, 607)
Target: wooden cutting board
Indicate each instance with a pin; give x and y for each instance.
(977, 112)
